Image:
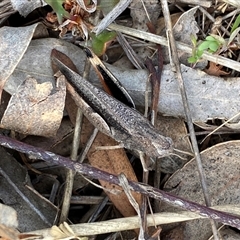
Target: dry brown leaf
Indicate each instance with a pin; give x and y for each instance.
(26, 236)
(36, 109)
(113, 161)
(161, 24)
(215, 70)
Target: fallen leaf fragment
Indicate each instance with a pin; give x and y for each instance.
(215, 70)
(36, 109)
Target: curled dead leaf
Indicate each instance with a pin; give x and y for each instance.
(215, 70)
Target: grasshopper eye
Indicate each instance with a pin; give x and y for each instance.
(88, 52)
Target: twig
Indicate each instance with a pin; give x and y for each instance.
(176, 65)
(88, 145)
(128, 223)
(111, 16)
(70, 174)
(132, 56)
(203, 3)
(124, 184)
(147, 190)
(181, 46)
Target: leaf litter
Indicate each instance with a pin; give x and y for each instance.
(210, 97)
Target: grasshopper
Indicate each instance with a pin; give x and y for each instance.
(112, 117)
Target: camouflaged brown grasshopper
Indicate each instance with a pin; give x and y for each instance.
(112, 117)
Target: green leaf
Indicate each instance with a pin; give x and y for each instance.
(213, 46)
(236, 23)
(204, 45)
(194, 40)
(218, 39)
(210, 38)
(192, 59)
(199, 53)
(58, 9)
(100, 41)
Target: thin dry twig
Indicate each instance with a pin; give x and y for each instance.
(124, 184)
(111, 16)
(132, 56)
(128, 223)
(181, 46)
(176, 65)
(70, 174)
(203, 3)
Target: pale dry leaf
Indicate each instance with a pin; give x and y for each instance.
(11, 51)
(221, 166)
(8, 222)
(36, 109)
(186, 26)
(24, 7)
(8, 216)
(235, 3)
